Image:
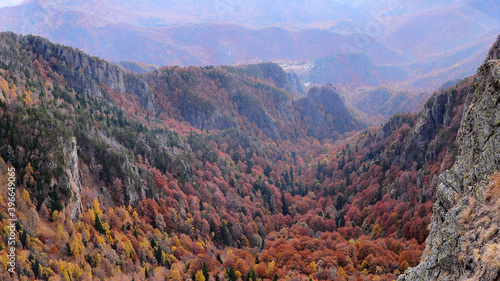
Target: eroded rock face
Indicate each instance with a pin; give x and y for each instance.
(448, 254)
(91, 72)
(324, 113)
(73, 178)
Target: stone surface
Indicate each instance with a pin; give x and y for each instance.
(72, 172)
(91, 72)
(448, 244)
(324, 113)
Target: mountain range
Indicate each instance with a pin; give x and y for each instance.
(235, 172)
(400, 37)
(229, 140)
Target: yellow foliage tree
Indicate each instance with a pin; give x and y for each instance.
(270, 268)
(199, 276)
(97, 207)
(341, 273)
(175, 275)
(377, 229)
(4, 86)
(28, 98)
(76, 244)
(313, 266)
(60, 234)
(91, 214)
(55, 214)
(26, 195)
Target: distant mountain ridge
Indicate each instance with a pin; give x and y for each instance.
(208, 98)
(403, 35)
(354, 70)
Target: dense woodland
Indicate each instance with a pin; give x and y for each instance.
(254, 195)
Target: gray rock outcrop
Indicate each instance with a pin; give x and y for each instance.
(73, 178)
(91, 72)
(456, 244)
(324, 113)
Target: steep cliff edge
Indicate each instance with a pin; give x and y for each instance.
(442, 114)
(464, 229)
(324, 113)
(88, 73)
(73, 178)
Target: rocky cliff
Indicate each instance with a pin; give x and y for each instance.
(72, 173)
(324, 113)
(441, 115)
(261, 98)
(268, 71)
(463, 239)
(82, 70)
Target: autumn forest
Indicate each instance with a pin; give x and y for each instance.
(211, 173)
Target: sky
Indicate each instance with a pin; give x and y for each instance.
(4, 3)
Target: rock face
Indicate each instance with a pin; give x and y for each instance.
(255, 112)
(458, 240)
(273, 72)
(324, 113)
(91, 72)
(202, 114)
(438, 114)
(73, 178)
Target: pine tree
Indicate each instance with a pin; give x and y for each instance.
(68, 249)
(98, 225)
(24, 239)
(231, 274)
(267, 171)
(341, 220)
(254, 276)
(36, 268)
(158, 255)
(205, 271)
(285, 205)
